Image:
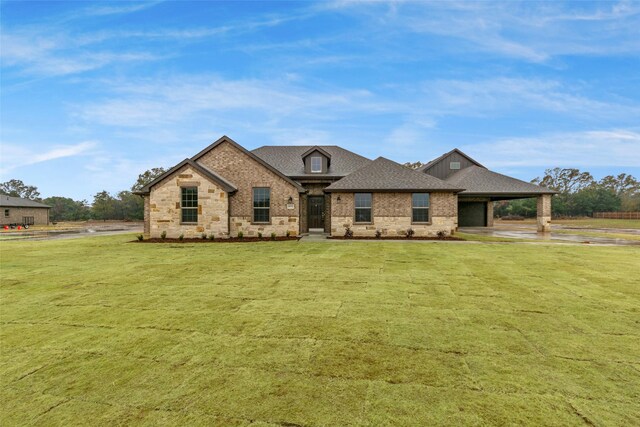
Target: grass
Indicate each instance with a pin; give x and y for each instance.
(103, 332)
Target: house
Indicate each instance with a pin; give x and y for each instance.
(226, 189)
(16, 210)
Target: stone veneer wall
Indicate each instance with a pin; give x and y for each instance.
(544, 213)
(392, 215)
(246, 173)
(165, 212)
(147, 211)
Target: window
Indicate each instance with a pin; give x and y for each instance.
(454, 165)
(261, 204)
(420, 207)
(28, 220)
(316, 164)
(363, 207)
(189, 204)
(6, 213)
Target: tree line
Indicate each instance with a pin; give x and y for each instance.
(123, 205)
(579, 194)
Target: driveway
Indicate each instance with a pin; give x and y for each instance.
(75, 230)
(559, 233)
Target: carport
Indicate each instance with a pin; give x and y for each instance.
(483, 187)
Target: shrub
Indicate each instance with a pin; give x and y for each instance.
(212, 236)
(240, 235)
(409, 233)
(163, 235)
(181, 237)
(140, 237)
(204, 236)
(348, 233)
(378, 234)
(442, 234)
(259, 235)
(273, 236)
(288, 233)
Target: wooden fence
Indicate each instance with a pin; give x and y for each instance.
(617, 215)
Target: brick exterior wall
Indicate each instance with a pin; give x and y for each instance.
(165, 212)
(17, 214)
(544, 213)
(392, 215)
(246, 173)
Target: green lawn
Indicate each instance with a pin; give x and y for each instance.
(97, 331)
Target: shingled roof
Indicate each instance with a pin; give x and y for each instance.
(288, 160)
(208, 173)
(19, 202)
(478, 180)
(384, 175)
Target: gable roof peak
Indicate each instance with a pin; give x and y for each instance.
(208, 173)
(225, 138)
(318, 149)
(428, 165)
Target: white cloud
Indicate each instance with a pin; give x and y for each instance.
(15, 156)
(532, 32)
(120, 9)
(598, 148)
(486, 97)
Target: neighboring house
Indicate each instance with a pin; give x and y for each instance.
(226, 189)
(16, 210)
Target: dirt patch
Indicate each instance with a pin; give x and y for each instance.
(230, 240)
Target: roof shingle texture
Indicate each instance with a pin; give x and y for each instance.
(386, 175)
(479, 180)
(288, 160)
(19, 202)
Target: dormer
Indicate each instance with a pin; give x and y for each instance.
(316, 161)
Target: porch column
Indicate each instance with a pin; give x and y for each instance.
(147, 219)
(544, 213)
(489, 213)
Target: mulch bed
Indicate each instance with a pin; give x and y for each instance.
(394, 238)
(218, 240)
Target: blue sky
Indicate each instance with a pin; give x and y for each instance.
(92, 94)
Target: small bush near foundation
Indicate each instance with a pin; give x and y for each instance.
(204, 236)
(212, 236)
(409, 233)
(348, 233)
(163, 235)
(140, 237)
(181, 237)
(240, 235)
(288, 233)
(442, 234)
(273, 236)
(259, 235)
(378, 234)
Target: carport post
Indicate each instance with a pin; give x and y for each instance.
(544, 213)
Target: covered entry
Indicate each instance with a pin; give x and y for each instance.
(316, 212)
(472, 214)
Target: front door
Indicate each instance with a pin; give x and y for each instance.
(316, 212)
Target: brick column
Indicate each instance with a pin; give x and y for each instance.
(489, 213)
(544, 213)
